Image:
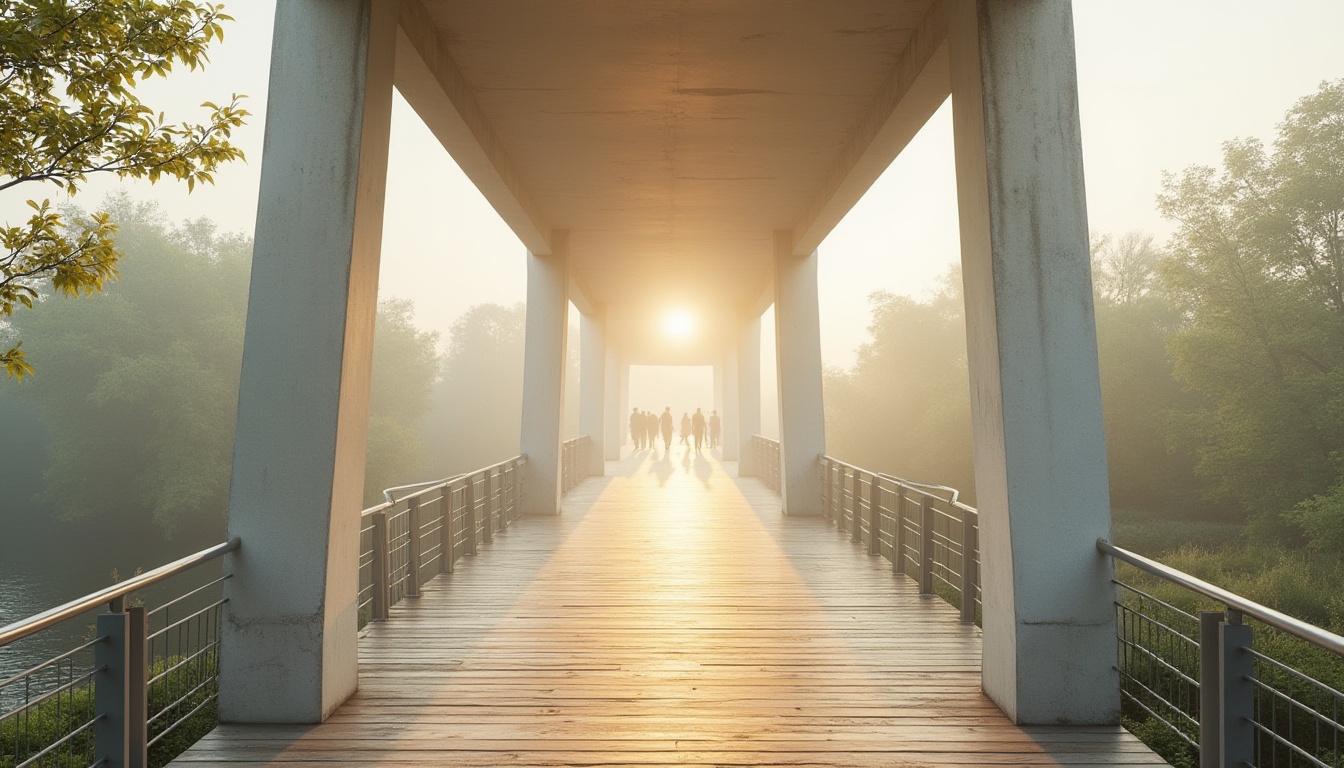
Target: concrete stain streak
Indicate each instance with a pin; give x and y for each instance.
(722, 92)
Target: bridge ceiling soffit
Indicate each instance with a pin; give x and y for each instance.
(914, 89)
(673, 136)
(430, 81)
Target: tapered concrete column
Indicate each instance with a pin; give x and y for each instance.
(729, 400)
(718, 375)
(623, 374)
(1040, 456)
(288, 636)
(748, 393)
(592, 390)
(802, 422)
(544, 376)
(612, 408)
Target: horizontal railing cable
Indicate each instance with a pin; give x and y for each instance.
(82, 605)
(1281, 621)
(1197, 675)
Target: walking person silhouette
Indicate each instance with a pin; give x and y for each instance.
(665, 423)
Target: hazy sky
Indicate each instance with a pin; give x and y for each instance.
(1163, 83)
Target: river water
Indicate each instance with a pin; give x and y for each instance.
(46, 568)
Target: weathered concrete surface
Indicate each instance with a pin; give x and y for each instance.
(592, 389)
(544, 376)
(1040, 455)
(288, 651)
(802, 422)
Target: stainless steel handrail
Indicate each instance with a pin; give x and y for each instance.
(387, 492)
(930, 486)
(1280, 621)
(39, 622)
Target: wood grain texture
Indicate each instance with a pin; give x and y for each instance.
(670, 616)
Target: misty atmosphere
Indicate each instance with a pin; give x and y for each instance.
(1218, 275)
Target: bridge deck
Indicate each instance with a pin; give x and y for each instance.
(671, 615)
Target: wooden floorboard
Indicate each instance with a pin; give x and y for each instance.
(670, 616)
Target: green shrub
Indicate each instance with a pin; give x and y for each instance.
(22, 736)
(1159, 737)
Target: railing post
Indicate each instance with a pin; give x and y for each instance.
(855, 518)
(469, 512)
(446, 530)
(487, 513)
(969, 569)
(137, 684)
(1237, 741)
(875, 515)
(502, 498)
(111, 693)
(826, 487)
(515, 491)
(382, 576)
(414, 546)
(1210, 690)
(926, 526)
(898, 536)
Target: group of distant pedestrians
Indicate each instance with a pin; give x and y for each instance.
(646, 427)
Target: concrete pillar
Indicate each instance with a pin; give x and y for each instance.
(1040, 456)
(592, 390)
(288, 636)
(729, 400)
(748, 392)
(802, 422)
(718, 375)
(612, 421)
(544, 376)
(623, 373)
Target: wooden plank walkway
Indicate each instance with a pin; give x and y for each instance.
(670, 616)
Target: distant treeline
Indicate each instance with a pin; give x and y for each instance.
(1222, 353)
(128, 424)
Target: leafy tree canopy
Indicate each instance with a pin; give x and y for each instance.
(1257, 270)
(140, 393)
(68, 110)
(477, 415)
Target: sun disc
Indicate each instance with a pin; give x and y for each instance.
(679, 325)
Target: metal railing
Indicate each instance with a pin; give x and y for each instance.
(136, 692)
(408, 541)
(765, 461)
(921, 529)
(1234, 694)
(574, 462)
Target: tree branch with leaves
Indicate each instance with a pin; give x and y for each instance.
(68, 110)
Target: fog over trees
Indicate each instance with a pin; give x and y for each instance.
(1222, 365)
(132, 413)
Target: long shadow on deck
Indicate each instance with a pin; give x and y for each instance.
(671, 615)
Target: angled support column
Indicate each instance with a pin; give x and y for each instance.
(748, 393)
(612, 426)
(624, 375)
(719, 374)
(1040, 456)
(729, 399)
(802, 423)
(288, 637)
(544, 376)
(592, 390)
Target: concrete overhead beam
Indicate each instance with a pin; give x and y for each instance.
(917, 86)
(432, 84)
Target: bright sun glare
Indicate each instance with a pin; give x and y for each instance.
(679, 324)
